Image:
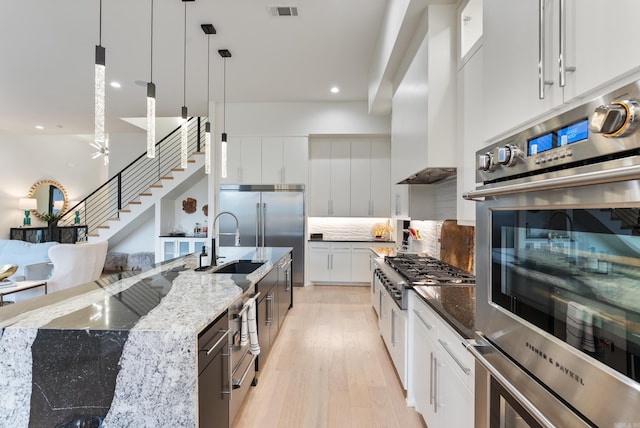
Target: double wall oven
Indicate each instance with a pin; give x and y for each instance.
(558, 269)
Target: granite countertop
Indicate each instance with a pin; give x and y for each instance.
(124, 348)
(454, 303)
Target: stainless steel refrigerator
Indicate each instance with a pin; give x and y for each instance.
(268, 216)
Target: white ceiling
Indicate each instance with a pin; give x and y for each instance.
(47, 53)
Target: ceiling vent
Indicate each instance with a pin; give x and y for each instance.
(283, 10)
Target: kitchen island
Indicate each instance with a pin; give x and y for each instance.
(122, 350)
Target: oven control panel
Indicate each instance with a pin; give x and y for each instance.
(604, 127)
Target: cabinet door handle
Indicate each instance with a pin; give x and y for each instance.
(435, 384)
(562, 68)
(541, 51)
(431, 378)
(215, 345)
(426, 324)
(397, 203)
(381, 305)
(238, 384)
(269, 299)
(445, 345)
(393, 327)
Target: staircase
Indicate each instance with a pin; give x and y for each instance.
(111, 210)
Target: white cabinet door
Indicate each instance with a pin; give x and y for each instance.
(244, 160)
(361, 178)
(319, 179)
(471, 93)
(454, 400)
(319, 262)
(340, 262)
(380, 178)
(360, 262)
(602, 28)
(340, 179)
(295, 159)
(272, 167)
(399, 342)
(510, 43)
(421, 369)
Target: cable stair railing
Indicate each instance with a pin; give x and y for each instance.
(135, 181)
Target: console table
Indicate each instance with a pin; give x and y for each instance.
(62, 234)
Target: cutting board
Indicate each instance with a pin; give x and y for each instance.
(457, 245)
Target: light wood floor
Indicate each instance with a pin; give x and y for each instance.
(328, 368)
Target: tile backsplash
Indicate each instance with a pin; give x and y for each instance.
(346, 228)
(429, 241)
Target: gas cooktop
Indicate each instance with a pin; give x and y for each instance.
(425, 270)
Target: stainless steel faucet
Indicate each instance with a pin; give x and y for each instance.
(216, 234)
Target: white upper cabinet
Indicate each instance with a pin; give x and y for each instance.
(244, 160)
(349, 177)
(284, 160)
(266, 160)
(330, 175)
(591, 44)
(423, 126)
(370, 178)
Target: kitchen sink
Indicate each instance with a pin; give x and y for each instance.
(239, 266)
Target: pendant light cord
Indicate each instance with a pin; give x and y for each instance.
(100, 26)
(208, 73)
(184, 72)
(151, 74)
(224, 95)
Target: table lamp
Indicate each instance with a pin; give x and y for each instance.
(27, 204)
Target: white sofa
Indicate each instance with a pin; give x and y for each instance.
(32, 259)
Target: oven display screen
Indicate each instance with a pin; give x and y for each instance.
(560, 137)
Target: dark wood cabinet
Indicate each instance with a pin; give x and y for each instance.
(62, 234)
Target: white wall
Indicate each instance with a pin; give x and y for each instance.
(300, 119)
(30, 158)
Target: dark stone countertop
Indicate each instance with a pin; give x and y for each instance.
(454, 303)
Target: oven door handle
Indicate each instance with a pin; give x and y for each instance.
(584, 179)
(522, 400)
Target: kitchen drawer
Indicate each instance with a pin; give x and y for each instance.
(424, 315)
(453, 348)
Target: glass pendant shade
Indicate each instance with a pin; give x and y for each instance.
(207, 148)
(99, 94)
(223, 159)
(151, 120)
(184, 139)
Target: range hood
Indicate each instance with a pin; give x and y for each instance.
(429, 176)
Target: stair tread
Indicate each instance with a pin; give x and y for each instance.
(146, 194)
(124, 211)
(167, 177)
(156, 186)
(135, 203)
(114, 219)
(103, 226)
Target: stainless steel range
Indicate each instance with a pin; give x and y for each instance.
(397, 274)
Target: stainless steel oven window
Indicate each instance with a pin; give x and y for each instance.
(574, 273)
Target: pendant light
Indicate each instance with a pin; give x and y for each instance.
(224, 53)
(99, 137)
(151, 103)
(184, 132)
(101, 150)
(208, 30)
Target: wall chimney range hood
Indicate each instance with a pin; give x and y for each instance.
(429, 176)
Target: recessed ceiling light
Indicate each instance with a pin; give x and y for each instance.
(39, 127)
(335, 90)
(115, 84)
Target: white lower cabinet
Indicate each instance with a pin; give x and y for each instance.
(172, 247)
(441, 371)
(329, 262)
(392, 322)
(342, 262)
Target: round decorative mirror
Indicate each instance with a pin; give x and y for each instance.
(51, 197)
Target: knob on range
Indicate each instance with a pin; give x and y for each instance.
(507, 155)
(485, 162)
(617, 119)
